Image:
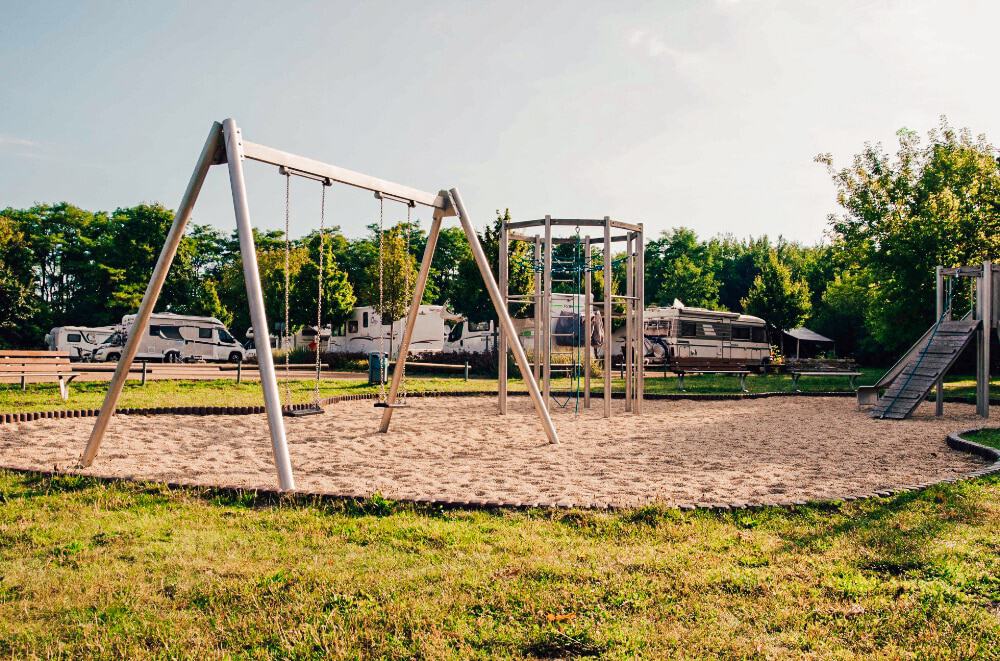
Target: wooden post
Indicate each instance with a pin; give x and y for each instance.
(984, 304)
(547, 315)
(536, 333)
(144, 364)
(608, 344)
(502, 336)
(163, 262)
(239, 371)
(640, 288)
(939, 308)
(629, 326)
(588, 330)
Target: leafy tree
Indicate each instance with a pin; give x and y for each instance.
(679, 266)
(934, 202)
(781, 301)
(338, 295)
(19, 305)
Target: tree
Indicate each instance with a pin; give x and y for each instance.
(782, 302)
(338, 295)
(935, 202)
(678, 266)
(19, 305)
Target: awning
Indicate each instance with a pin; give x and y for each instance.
(806, 335)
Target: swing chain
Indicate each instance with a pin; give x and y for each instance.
(401, 360)
(285, 339)
(381, 298)
(319, 293)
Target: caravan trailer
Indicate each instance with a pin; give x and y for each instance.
(365, 333)
(176, 338)
(682, 332)
(78, 341)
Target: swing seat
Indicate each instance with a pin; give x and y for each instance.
(301, 413)
(387, 405)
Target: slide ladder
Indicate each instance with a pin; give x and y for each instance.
(911, 379)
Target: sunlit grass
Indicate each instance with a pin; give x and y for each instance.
(128, 570)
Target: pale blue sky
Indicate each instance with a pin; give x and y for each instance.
(705, 114)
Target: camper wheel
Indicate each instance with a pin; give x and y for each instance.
(113, 357)
(236, 357)
(171, 357)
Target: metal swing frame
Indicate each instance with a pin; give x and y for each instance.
(225, 145)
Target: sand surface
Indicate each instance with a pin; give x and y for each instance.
(678, 452)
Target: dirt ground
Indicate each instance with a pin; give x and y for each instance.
(771, 450)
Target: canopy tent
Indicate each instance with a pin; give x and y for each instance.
(803, 334)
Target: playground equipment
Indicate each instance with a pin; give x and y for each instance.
(225, 144)
(575, 271)
(907, 383)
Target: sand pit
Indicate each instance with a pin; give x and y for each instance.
(679, 452)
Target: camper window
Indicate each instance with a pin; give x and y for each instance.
(352, 326)
(689, 329)
(204, 333)
(338, 331)
(478, 326)
(456, 332)
(741, 333)
(759, 335)
(364, 320)
(171, 333)
(225, 337)
(73, 337)
(154, 331)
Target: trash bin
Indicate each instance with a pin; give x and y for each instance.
(377, 368)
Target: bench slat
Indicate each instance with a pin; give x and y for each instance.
(8, 353)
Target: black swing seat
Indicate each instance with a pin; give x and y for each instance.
(387, 405)
(301, 413)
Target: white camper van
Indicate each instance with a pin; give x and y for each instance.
(470, 337)
(78, 341)
(678, 332)
(361, 333)
(566, 324)
(175, 338)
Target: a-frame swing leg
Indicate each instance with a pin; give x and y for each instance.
(163, 262)
(498, 304)
(411, 319)
(229, 133)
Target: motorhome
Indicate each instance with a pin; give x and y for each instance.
(78, 341)
(678, 331)
(176, 338)
(566, 324)
(364, 332)
(466, 336)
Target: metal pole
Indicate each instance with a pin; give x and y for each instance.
(174, 236)
(608, 344)
(411, 317)
(629, 326)
(588, 311)
(258, 315)
(640, 288)
(503, 339)
(491, 286)
(939, 308)
(547, 310)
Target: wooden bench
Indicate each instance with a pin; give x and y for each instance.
(797, 374)
(38, 364)
(684, 367)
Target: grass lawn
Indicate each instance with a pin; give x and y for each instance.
(225, 392)
(134, 570)
(127, 570)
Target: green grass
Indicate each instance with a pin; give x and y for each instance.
(129, 570)
(42, 397)
(990, 437)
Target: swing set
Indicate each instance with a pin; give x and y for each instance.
(225, 145)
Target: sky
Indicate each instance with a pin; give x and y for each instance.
(705, 114)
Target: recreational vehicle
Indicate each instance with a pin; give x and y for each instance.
(78, 341)
(678, 332)
(175, 338)
(466, 336)
(566, 325)
(364, 332)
